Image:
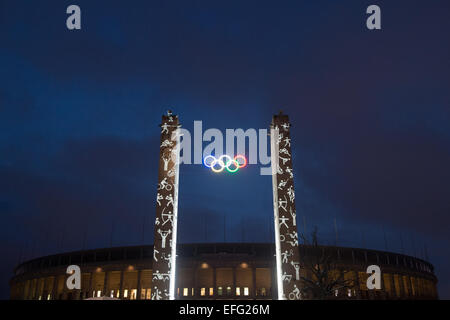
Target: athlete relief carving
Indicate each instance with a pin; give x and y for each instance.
(165, 233)
(286, 237)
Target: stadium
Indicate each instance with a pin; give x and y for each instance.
(214, 271)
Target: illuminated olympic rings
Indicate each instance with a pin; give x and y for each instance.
(225, 162)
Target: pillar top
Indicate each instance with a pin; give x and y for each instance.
(281, 119)
(170, 120)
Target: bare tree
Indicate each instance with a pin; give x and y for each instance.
(324, 278)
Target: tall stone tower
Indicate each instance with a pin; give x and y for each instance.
(286, 236)
(165, 233)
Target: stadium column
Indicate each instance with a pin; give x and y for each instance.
(233, 293)
(22, 291)
(214, 281)
(105, 283)
(383, 287)
(254, 292)
(122, 273)
(286, 236)
(393, 290)
(91, 277)
(55, 288)
(165, 233)
(139, 275)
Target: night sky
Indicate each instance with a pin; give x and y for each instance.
(79, 116)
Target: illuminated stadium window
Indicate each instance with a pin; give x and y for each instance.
(142, 294)
(263, 292)
(219, 291)
(118, 294)
(133, 294)
(211, 291)
(99, 293)
(245, 291)
(202, 291)
(178, 291)
(185, 292)
(125, 293)
(228, 291)
(349, 292)
(111, 294)
(238, 291)
(192, 291)
(48, 297)
(149, 294)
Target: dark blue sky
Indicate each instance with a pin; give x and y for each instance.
(79, 115)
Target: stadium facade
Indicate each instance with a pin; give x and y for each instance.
(212, 271)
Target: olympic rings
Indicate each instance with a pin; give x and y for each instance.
(205, 161)
(243, 158)
(231, 164)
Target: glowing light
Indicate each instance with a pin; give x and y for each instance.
(243, 158)
(232, 165)
(213, 166)
(205, 161)
(236, 165)
(227, 164)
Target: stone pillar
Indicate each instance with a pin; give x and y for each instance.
(286, 236)
(394, 291)
(30, 290)
(33, 289)
(139, 287)
(105, 284)
(214, 281)
(65, 291)
(165, 232)
(55, 288)
(419, 286)
(26, 289)
(76, 294)
(255, 293)
(233, 292)
(22, 290)
(383, 287)
(121, 284)
(357, 285)
(402, 287)
(91, 277)
(196, 288)
(44, 286)
(435, 291)
(411, 283)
